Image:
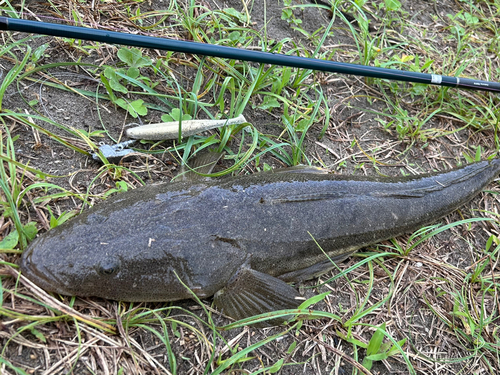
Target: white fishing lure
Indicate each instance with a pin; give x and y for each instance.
(170, 130)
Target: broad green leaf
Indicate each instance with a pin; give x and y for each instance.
(268, 103)
(392, 5)
(39, 52)
(135, 108)
(133, 72)
(133, 57)
(30, 230)
(10, 241)
(139, 107)
(114, 80)
(240, 16)
(175, 115)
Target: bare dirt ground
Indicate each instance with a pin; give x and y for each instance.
(421, 292)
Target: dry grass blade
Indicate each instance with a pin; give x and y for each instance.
(343, 356)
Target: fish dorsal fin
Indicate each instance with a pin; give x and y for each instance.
(250, 293)
(435, 183)
(408, 193)
(308, 197)
(302, 169)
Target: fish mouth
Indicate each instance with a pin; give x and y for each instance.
(40, 274)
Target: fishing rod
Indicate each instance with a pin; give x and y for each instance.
(195, 48)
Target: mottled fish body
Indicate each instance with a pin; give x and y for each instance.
(241, 238)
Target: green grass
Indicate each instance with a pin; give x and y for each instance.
(384, 307)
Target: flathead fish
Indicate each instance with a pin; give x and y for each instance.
(241, 239)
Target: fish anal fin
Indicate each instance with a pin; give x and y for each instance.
(250, 293)
(315, 270)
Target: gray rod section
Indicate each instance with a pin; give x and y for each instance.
(195, 48)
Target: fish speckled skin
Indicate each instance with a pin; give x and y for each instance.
(137, 245)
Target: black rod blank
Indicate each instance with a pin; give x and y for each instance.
(113, 37)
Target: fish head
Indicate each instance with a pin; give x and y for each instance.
(71, 267)
(82, 260)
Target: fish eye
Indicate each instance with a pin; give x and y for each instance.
(109, 267)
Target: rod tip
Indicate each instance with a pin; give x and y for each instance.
(4, 23)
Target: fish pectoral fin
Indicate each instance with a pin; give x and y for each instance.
(250, 293)
(200, 164)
